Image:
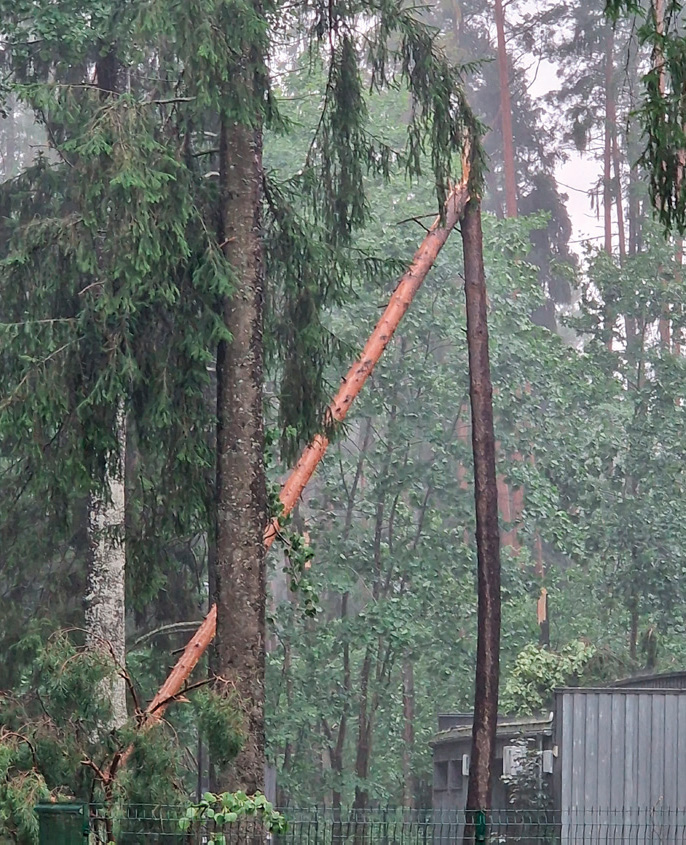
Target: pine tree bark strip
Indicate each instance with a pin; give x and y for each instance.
(400, 300)
(238, 656)
(105, 611)
(486, 502)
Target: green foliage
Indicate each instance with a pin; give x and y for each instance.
(662, 110)
(19, 791)
(220, 724)
(527, 787)
(55, 743)
(537, 672)
(220, 812)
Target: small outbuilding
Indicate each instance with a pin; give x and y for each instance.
(615, 754)
(452, 746)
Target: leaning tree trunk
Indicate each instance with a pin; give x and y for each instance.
(353, 382)
(240, 573)
(106, 596)
(486, 501)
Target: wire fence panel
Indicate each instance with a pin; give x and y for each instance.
(159, 824)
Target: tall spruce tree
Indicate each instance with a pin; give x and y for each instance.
(143, 262)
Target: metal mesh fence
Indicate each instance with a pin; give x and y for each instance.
(151, 824)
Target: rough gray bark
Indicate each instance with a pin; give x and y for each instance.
(487, 531)
(105, 610)
(240, 572)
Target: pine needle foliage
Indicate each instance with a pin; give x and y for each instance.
(53, 744)
(662, 113)
(199, 50)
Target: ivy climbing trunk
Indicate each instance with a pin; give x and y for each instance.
(486, 501)
(240, 575)
(105, 610)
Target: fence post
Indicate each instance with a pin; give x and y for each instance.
(480, 828)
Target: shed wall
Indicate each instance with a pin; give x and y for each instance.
(621, 748)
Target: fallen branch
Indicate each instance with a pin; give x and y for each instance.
(351, 386)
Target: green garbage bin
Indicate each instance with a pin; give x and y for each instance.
(62, 824)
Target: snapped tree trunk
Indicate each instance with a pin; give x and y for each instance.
(105, 609)
(399, 302)
(240, 574)
(486, 501)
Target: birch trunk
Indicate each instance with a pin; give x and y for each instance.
(106, 598)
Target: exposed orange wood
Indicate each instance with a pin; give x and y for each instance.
(352, 384)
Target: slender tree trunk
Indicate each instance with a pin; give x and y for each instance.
(9, 159)
(658, 10)
(337, 751)
(105, 610)
(607, 155)
(409, 781)
(616, 166)
(506, 115)
(363, 752)
(486, 501)
(633, 626)
(240, 575)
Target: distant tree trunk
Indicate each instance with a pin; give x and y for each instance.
(337, 750)
(486, 501)
(364, 735)
(9, 158)
(506, 114)
(409, 781)
(240, 573)
(365, 715)
(658, 9)
(105, 610)
(616, 165)
(607, 155)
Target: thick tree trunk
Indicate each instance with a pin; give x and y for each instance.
(240, 574)
(506, 115)
(486, 501)
(105, 610)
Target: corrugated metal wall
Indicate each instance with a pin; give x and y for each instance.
(621, 748)
(669, 680)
